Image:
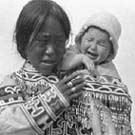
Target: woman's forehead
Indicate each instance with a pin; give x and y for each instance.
(51, 26)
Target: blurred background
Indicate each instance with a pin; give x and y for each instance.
(78, 12)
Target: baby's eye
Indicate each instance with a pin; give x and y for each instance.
(90, 39)
(102, 43)
(87, 41)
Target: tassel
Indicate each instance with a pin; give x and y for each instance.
(97, 95)
(93, 94)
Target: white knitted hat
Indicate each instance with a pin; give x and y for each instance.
(107, 22)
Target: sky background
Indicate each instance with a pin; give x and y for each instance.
(78, 12)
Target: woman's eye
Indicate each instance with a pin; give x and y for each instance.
(43, 40)
(60, 42)
(41, 45)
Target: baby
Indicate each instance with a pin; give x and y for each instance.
(95, 47)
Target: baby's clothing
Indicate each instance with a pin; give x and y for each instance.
(106, 89)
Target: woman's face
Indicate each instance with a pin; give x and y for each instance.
(96, 45)
(48, 47)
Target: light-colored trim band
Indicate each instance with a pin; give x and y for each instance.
(47, 108)
(63, 99)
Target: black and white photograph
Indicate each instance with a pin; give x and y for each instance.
(67, 67)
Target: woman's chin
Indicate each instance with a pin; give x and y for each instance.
(46, 68)
(46, 71)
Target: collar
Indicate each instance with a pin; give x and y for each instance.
(108, 69)
(28, 67)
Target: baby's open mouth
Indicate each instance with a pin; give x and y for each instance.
(92, 55)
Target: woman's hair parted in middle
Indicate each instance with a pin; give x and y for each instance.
(31, 19)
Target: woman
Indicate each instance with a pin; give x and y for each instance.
(33, 98)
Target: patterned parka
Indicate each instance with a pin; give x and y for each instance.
(31, 104)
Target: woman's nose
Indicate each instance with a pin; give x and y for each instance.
(49, 49)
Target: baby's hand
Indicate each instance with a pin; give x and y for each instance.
(89, 64)
(79, 59)
(72, 61)
(76, 60)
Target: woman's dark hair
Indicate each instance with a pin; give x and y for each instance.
(32, 17)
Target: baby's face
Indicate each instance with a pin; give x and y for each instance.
(96, 45)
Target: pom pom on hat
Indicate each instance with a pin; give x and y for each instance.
(105, 21)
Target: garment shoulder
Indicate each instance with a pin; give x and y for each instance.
(7, 80)
(108, 69)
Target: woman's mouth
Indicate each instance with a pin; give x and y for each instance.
(48, 62)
